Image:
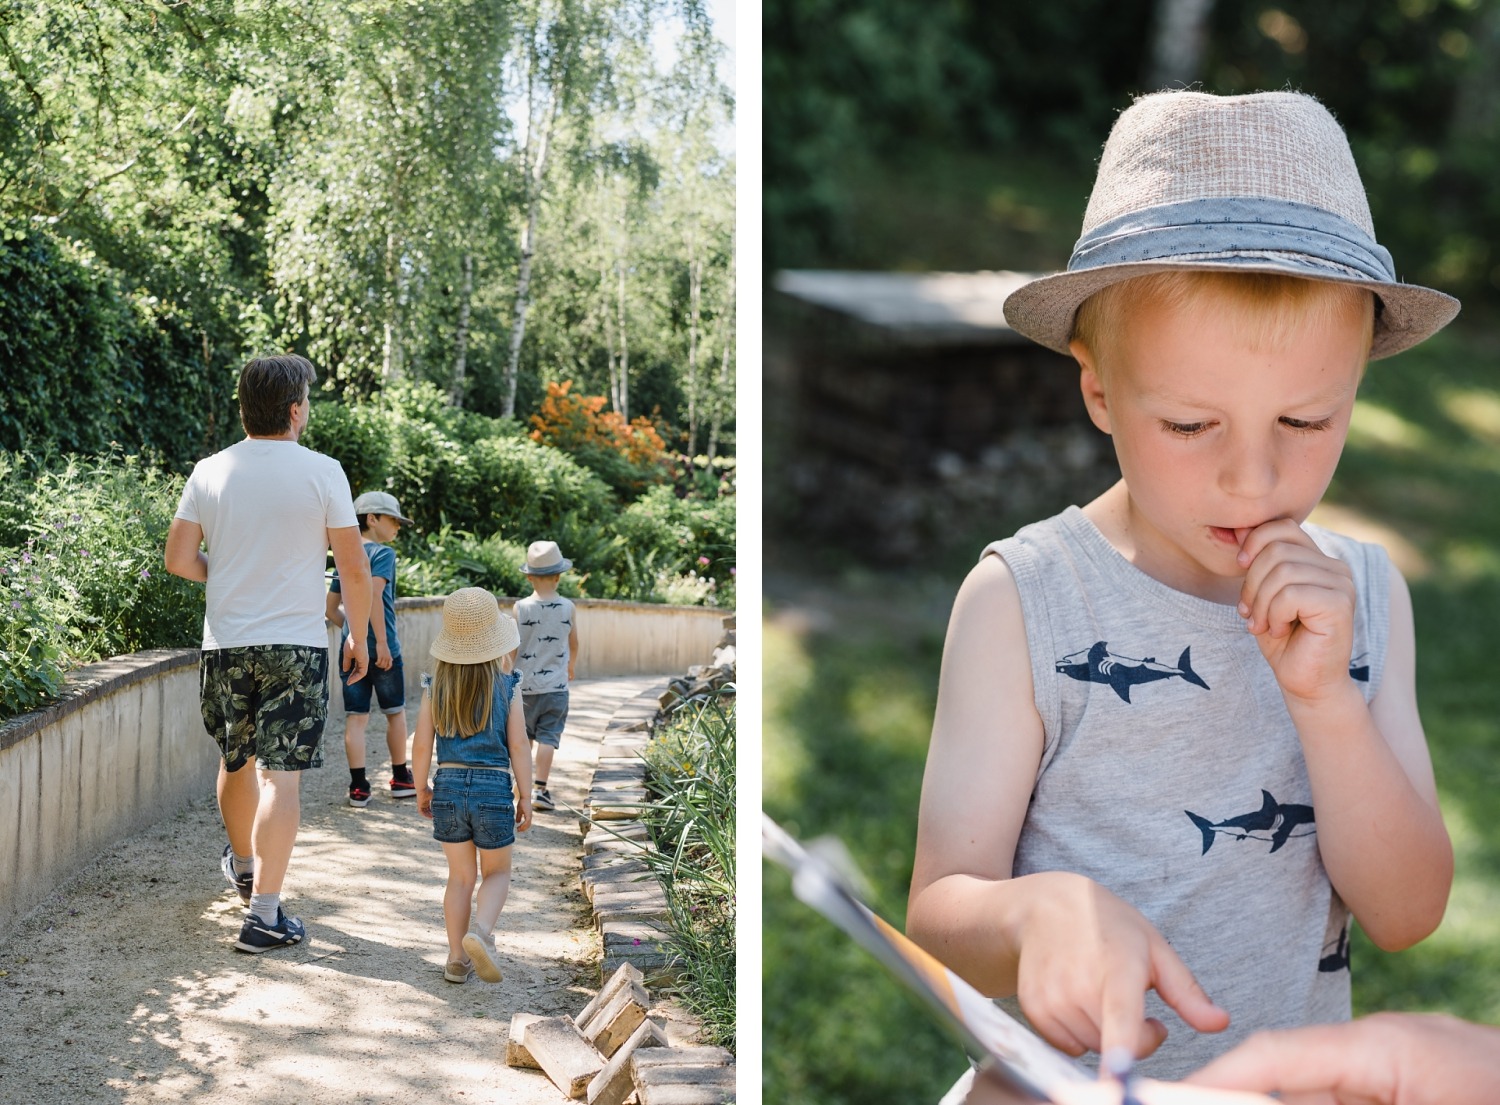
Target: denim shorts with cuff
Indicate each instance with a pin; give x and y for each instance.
(387, 685)
(470, 803)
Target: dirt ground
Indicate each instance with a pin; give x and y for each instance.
(124, 986)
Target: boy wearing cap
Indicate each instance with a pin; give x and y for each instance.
(548, 657)
(380, 520)
(1176, 741)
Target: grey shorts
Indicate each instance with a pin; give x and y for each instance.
(265, 701)
(546, 714)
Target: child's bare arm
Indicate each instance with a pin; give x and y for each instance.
(333, 610)
(1079, 958)
(422, 743)
(382, 656)
(520, 759)
(1380, 831)
(572, 651)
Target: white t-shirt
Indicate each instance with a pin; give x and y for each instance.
(265, 508)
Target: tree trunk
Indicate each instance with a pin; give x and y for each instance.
(624, 404)
(695, 301)
(535, 169)
(723, 391)
(390, 365)
(1177, 41)
(461, 339)
(607, 319)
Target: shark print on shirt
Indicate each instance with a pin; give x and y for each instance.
(1274, 821)
(1098, 665)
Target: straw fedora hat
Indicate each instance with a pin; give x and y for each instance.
(1257, 183)
(474, 631)
(544, 558)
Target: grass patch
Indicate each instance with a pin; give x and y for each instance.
(691, 818)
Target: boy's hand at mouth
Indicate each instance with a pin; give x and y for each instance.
(1299, 604)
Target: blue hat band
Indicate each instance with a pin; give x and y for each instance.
(1229, 229)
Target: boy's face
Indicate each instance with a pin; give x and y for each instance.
(384, 528)
(1216, 437)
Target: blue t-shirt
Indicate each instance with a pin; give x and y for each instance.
(488, 747)
(382, 566)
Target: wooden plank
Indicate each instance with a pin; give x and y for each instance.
(516, 1054)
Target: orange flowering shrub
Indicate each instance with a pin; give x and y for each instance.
(580, 425)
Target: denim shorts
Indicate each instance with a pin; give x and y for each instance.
(269, 702)
(546, 714)
(473, 804)
(389, 686)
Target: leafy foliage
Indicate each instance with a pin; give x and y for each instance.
(626, 455)
(185, 185)
(992, 89)
(80, 571)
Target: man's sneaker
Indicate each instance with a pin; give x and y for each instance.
(359, 794)
(403, 788)
(256, 936)
(241, 883)
(482, 954)
(458, 971)
(542, 799)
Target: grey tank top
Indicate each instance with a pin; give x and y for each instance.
(1171, 774)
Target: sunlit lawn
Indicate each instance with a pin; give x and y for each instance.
(848, 705)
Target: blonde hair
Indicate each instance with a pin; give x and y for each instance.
(1266, 309)
(463, 694)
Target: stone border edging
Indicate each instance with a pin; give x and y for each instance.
(629, 905)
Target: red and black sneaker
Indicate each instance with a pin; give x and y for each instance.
(403, 788)
(359, 794)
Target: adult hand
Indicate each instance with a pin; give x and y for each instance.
(1087, 960)
(356, 659)
(1385, 1059)
(1299, 603)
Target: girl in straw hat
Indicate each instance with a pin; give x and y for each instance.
(481, 796)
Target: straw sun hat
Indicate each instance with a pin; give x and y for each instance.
(1258, 183)
(474, 630)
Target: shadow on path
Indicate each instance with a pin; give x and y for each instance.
(123, 986)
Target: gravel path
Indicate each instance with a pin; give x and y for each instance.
(124, 985)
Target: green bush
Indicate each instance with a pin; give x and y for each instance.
(93, 366)
(81, 547)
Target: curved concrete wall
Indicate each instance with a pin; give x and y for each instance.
(126, 747)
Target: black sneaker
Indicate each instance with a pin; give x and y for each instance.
(241, 883)
(403, 788)
(542, 799)
(256, 936)
(359, 794)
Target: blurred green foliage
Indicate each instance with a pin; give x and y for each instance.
(861, 97)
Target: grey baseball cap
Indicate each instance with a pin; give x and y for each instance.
(381, 502)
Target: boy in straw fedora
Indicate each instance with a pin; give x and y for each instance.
(1176, 741)
(549, 656)
(471, 720)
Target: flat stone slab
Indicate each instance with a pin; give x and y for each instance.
(559, 1048)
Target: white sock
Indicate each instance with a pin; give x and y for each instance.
(243, 865)
(265, 907)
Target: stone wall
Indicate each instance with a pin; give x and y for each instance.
(126, 747)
